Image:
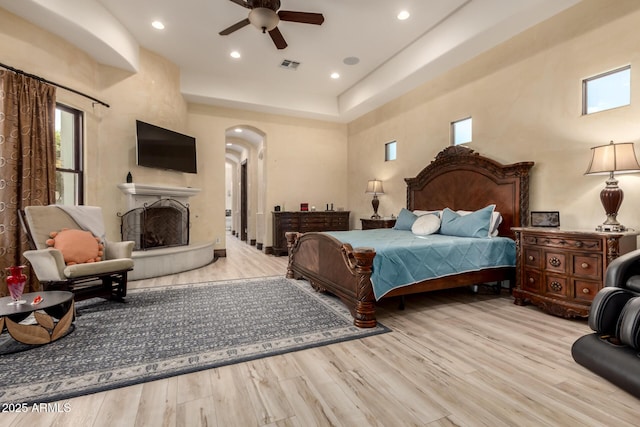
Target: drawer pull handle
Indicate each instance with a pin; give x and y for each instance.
(555, 261)
(557, 287)
(532, 280)
(585, 290)
(584, 265)
(531, 258)
(578, 244)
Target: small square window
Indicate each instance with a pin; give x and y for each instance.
(606, 91)
(390, 151)
(461, 131)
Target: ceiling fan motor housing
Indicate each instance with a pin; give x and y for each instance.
(267, 4)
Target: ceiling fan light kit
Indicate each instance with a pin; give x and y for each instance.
(264, 19)
(265, 16)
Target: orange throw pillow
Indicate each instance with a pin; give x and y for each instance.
(77, 246)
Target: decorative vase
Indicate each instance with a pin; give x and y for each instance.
(15, 283)
(129, 178)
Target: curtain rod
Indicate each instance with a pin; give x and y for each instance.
(95, 100)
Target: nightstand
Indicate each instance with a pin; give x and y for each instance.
(561, 271)
(370, 224)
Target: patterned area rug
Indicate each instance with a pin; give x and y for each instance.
(162, 332)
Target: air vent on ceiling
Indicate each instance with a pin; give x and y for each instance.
(289, 64)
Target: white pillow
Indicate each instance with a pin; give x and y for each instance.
(496, 220)
(426, 224)
(420, 213)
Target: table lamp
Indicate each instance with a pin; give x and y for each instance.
(374, 187)
(607, 159)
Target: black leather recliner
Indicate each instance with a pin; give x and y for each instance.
(613, 351)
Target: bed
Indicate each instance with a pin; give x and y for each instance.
(457, 179)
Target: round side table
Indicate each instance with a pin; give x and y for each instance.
(54, 305)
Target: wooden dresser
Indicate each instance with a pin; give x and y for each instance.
(304, 222)
(561, 271)
(371, 224)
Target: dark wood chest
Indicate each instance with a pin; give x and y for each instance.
(304, 222)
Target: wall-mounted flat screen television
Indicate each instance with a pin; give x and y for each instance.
(165, 149)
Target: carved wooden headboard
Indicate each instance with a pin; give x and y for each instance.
(459, 178)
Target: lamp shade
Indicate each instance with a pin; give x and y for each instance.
(374, 186)
(613, 158)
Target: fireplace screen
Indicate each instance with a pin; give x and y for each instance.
(161, 224)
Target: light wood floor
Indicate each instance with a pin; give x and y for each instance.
(453, 359)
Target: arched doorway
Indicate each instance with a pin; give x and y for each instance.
(245, 157)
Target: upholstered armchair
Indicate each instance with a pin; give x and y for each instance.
(612, 350)
(69, 251)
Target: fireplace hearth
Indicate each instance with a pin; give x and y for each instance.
(161, 224)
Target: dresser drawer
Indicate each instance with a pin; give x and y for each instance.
(557, 286)
(585, 290)
(314, 222)
(584, 244)
(531, 281)
(340, 224)
(587, 266)
(556, 261)
(289, 222)
(533, 257)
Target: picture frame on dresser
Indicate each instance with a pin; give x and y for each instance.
(545, 219)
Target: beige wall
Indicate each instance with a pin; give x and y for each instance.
(525, 100)
(306, 158)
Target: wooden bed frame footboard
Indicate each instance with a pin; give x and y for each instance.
(331, 266)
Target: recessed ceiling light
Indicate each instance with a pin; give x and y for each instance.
(157, 25)
(238, 130)
(335, 75)
(229, 144)
(403, 15)
(235, 54)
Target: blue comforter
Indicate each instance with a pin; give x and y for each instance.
(403, 258)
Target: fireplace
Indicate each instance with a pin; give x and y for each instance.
(161, 224)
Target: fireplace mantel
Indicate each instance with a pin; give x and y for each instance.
(157, 190)
(140, 194)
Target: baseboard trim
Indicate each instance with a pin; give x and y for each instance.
(219, 253)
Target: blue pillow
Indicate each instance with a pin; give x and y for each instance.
(405, 220)
(475, 224)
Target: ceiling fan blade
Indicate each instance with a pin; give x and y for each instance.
(277, 38)
(242, 3)
(302, 17)
(234, 27)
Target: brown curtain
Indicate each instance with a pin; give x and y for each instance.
(27, 161)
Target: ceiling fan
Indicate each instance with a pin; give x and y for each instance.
(265, 16)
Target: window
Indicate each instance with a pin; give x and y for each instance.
(390, 151)
(606, 91)
(461, 131)
(69, 175)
